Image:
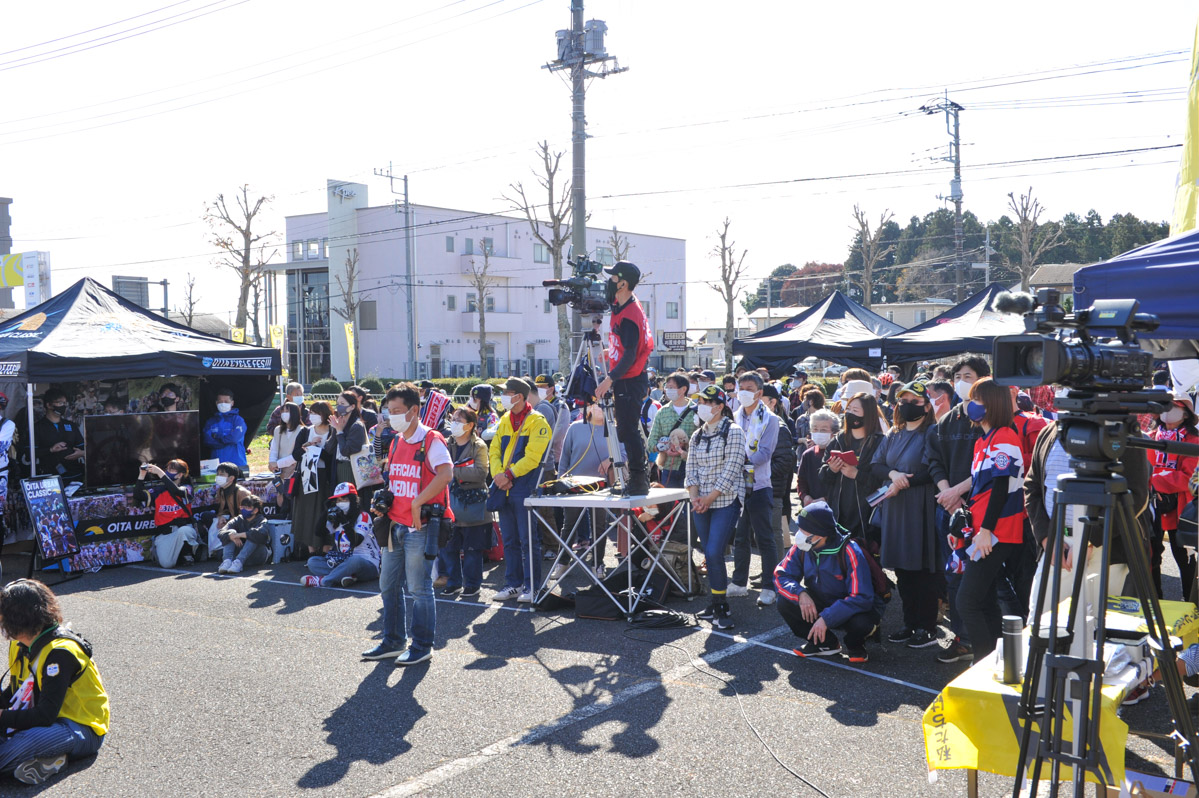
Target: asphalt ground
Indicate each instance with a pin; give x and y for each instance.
(252, 686)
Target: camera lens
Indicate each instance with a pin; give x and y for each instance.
(1034, 361)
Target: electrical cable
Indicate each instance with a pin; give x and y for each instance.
(93, 30)
(740, 704)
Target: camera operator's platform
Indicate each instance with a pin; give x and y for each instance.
(646, 550)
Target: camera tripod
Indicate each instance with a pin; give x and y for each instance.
(591, 352)
(1096, 429)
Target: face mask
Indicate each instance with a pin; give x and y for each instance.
(221, 480)
(610, 291)
(507, 401)
(398, 423)
(746, 398)
(854, 421)
(343, 506)
(703, 386)
(543, 393)
(457, 429)
(803, 542)
(821, 438)
(910, 412)
(962, 389)
(247, 512)
(694, 388)
(671, 394)
(1172, 416)
(315, 419)
(285, 418)
(977, 411)
(171, 475)
(60, 409)
(224, 407)
(705, 412)
(473, 404)
(168, 400)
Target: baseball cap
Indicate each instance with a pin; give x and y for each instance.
(625, 271)
(344, 489)
(426, 384)
(916, 387)
(517, 385)
(713, 394)
(708, 375)
(543, 381)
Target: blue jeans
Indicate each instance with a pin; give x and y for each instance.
(360, 568)
(60, 737)
(715, 528)
(251, 554)
(759, 512)
(464, 553)
(519, 546)
(405, 569)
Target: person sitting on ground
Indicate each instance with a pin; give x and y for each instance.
(824, 586)
(174, 524)
(55, 703)
(350, 552)
(246, 539)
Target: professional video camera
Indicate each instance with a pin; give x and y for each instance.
(1105, 356)
(583, 290)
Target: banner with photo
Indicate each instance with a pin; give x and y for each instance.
(51, 518)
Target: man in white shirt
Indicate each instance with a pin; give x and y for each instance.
(761, 428)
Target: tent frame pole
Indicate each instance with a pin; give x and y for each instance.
(32, 443)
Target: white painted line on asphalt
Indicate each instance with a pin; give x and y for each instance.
(253, 578)
(439, 775)
(791, 653)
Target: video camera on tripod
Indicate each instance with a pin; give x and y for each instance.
(584, 290)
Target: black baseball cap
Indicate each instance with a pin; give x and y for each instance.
(626, 271)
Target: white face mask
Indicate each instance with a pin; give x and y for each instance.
(671, 394)
(224, 407)
(1173, 415)
(285, 418)
(694, 388)
(315, 419)
(705, 412)
(543, 393)
(746, 398)
(221, 480)
(703, 385)
(398, 423)
(343, 506)
(962, 389)
(507, 401)
(801, 540)
(457, 428)
(821, 438)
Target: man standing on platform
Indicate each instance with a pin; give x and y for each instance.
(630, 343)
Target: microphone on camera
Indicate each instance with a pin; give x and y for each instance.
(1014, 302)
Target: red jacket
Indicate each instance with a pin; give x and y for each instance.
(1172, 473)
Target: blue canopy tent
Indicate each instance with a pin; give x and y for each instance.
(838, 329)
(1164, 276)
(970, 326)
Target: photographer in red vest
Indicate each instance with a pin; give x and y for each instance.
(630, 343)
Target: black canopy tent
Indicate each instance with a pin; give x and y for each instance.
(838, 329)
(970, 326)
(89, 333)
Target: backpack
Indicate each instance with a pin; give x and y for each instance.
(878, 578)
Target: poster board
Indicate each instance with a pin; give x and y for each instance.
(53, 528)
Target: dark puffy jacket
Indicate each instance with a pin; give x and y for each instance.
(950, 446)
(783, 462)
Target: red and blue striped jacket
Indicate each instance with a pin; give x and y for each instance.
(839, 583)
(999, 454)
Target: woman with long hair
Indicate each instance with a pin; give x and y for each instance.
(846, 471)
(314, 451)
(351, 434)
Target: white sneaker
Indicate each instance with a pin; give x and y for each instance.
(225, 566)
(766, 598)
(235, 567)
(557, 571)
(735, 590)
(601, 572)
(525, 598)
(309, 580)
(507, 594)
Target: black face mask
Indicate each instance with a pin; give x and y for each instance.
(610, 292)
(854, 421)
(910, 412)
(60, 409)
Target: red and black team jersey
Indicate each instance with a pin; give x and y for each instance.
(998, 454)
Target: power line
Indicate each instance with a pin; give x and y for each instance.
(93, 30)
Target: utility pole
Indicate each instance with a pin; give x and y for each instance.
(580, 47)
(953, 128)
(406, 209)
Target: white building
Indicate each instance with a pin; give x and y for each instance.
(446, 244)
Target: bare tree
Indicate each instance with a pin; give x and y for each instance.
(233, 233)
(350, 300)
(732, 269)
(554, 232)
(190, 300)
(870, 247)
(620, 245)
(482, 282)
(1032, 239)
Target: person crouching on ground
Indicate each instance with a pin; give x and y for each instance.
(55, 703)
(824, 587)
(350, 552)
(246, 539)
(174, 523)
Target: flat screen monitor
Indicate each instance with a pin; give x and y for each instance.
(116, 446)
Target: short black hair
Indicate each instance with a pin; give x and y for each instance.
(53, 393)
(27, 607)
(252, 500)
(225, 392)
(1161, 377)
(406, 392)
(231, 469)
(975, 363)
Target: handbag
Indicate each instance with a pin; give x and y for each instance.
(367, 471)
(1165, 503)
(468, 505)
(496, 499)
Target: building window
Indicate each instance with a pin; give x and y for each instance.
(451, 302)
(604, 255)
(890, 315)
(469, 249)
(325, 248)
(548, 307)
(489, 246)
(472, 303)
(921, 316)
(672, 310)
(368, 315)
(297, 250)
(449, 243)
(489, 303)
(541, 253)
(314, 248)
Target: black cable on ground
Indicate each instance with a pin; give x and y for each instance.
(718, 677)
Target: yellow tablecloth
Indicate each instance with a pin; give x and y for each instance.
(972, 723)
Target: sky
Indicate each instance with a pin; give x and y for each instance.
(120, 120)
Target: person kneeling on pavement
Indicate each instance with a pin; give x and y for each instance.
(824, 587)
(55, 703)
(246, 539)
(174, 523)
(350, 551)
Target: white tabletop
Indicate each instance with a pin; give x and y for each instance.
(603, 499)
